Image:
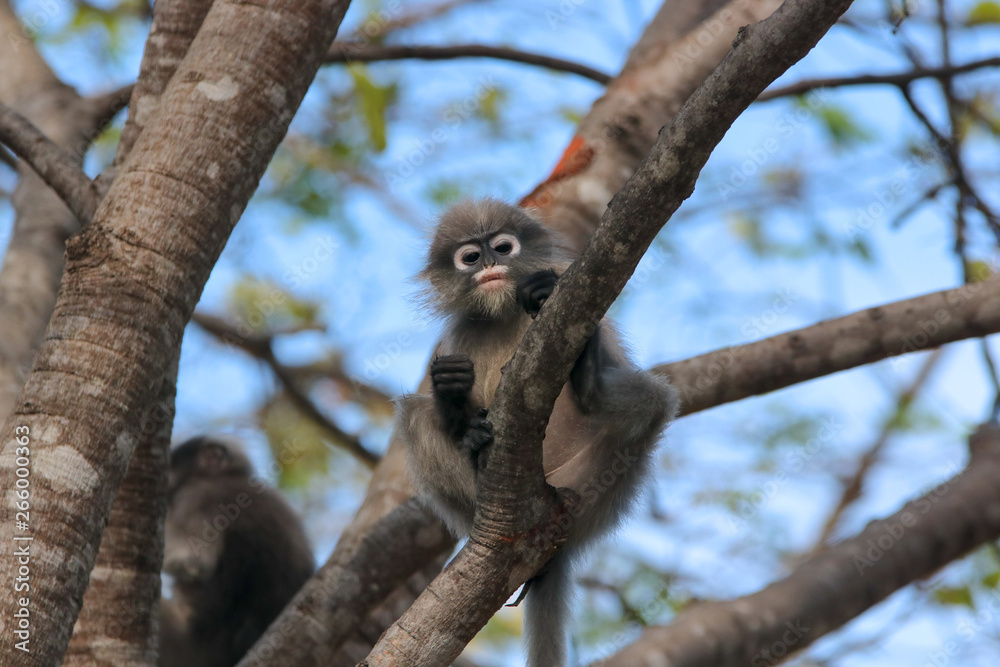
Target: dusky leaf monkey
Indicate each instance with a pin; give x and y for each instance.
(236, 551)
(490, 268)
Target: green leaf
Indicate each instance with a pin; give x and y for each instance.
(372, 100)
(264, 306)
(489, 106)
(296, 443)
(992, 580)
(841, 127)
(984, 12)
(978, 271)
(959, 595)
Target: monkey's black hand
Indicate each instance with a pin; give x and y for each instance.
(535, 289)
(452, 379)
(585, 378)
(478, 438)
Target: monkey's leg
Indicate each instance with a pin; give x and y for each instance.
(586, 378)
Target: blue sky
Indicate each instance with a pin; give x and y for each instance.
(700, 288)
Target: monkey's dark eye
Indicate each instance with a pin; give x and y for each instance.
(467, 256)
(505, 244)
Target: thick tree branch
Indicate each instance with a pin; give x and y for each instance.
(500, 551)
(131, 283)
(356, 52)
(839, 584)
(53, 164)
(350, 583)
(899, 79)
(117, 623)
(260, 347)
(921, 323)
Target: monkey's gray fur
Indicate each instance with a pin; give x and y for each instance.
(237, 553)
(604, 425)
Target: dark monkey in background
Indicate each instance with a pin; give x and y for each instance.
(490, 268)
(237, 553)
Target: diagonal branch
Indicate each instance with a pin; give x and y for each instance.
(260, 347)
(839, 584)
(898, 79)
(50, 162)
(357, 52)
(511, 492)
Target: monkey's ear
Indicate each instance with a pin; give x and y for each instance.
(213, 458)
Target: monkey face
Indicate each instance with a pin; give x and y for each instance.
(481, 250)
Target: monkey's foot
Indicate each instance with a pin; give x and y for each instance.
(535, 289)
(478, 437)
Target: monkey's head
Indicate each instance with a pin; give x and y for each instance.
(480, 251)
(204, 457)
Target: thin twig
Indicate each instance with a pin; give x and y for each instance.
(899, 79)
(51, 162)
(259, 345)
(346, 52)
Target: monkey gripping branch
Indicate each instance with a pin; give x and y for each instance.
(514, 506)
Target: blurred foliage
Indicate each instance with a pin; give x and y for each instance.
(373, 100)
(267, 307)
(297, 444)
(984, 12)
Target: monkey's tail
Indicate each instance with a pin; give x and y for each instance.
(547, 614)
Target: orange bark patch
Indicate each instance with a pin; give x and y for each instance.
(574, 159)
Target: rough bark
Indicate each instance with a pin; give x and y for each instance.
(922, 323)
(132, 280)
(502, 549)
(840, 583)
(118, 622)
(33, 263)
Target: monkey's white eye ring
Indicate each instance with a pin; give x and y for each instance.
(467, 256)
(505, 244)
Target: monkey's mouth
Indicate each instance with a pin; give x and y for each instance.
(492, 279)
